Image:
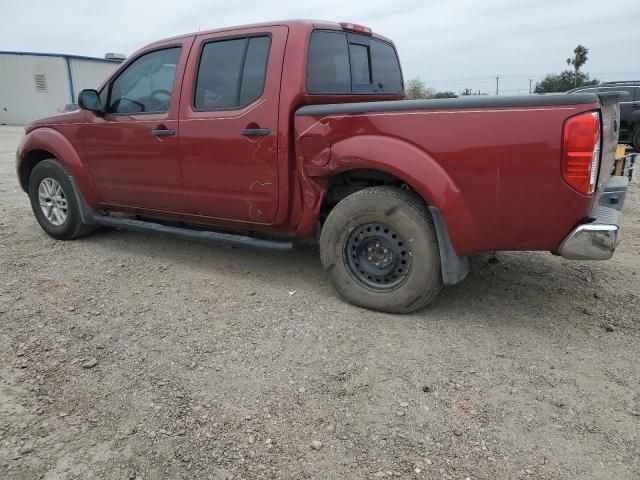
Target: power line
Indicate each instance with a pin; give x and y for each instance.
(517, 76)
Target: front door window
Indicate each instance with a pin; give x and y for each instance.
(146, 85)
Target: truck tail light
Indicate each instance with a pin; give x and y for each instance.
(581, 151)
(356, 28)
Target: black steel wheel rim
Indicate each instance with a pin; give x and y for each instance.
(377, 257)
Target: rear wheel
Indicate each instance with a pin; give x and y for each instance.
(53, 201)
(380, 249)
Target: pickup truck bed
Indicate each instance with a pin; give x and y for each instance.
(489, 161)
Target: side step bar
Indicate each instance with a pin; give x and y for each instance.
(217, 238)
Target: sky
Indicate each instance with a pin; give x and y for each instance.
(449, 44)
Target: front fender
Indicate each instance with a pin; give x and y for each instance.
(52, 141)
(413, 166)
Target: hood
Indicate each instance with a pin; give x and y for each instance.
(58, 119)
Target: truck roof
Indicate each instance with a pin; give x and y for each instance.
(299, 23)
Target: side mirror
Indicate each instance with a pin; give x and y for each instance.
(90, 100)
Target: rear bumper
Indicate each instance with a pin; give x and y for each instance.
(596, 240)
(614, 192)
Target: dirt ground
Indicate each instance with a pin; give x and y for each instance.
(216, 363)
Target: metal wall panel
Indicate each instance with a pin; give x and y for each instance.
(20, 102)
(89, 73)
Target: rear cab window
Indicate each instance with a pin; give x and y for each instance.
(350, 63)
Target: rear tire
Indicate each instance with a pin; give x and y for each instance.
(54, 203)
(380, 249)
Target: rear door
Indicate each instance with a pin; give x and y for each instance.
(229, 124)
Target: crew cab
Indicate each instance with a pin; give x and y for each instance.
(260, 134)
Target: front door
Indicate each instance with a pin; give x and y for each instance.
(133, 150)
(229, 125)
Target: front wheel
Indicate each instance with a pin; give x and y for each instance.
(53, 201)
(380, 249)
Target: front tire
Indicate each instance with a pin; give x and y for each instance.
(54, 203)
(380, 249)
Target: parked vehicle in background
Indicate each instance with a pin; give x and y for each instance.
(298, 129)
(629, 108)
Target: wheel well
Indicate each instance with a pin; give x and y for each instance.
(27, 164)
(344, 184)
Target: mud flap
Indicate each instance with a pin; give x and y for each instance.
(454, 268)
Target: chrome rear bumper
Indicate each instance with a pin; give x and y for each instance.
(591, 242)
(596, 240)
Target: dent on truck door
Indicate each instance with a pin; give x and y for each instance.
(228, 124)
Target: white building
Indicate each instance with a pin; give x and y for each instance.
(35, 85)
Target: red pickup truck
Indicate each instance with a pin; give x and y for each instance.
(259, 134)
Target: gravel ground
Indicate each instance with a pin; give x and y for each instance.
(127, 356)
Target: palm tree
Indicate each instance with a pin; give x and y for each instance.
(578, 60)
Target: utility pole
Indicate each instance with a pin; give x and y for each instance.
(530, 80)
(497, 85)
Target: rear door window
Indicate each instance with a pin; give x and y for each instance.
(345, 63)
(231, 73)
(255, 68)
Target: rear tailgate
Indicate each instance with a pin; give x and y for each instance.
(610, 111)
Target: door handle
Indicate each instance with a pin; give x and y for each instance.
(163, 132)
(255, 132)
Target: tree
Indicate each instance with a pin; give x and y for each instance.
(580, 56)
(416, 89)
(466, 91)
(568, 79)
(445, 94)
(563, 82)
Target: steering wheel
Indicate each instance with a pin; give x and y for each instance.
(116, 105)
(156, 103)
(160, 92)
